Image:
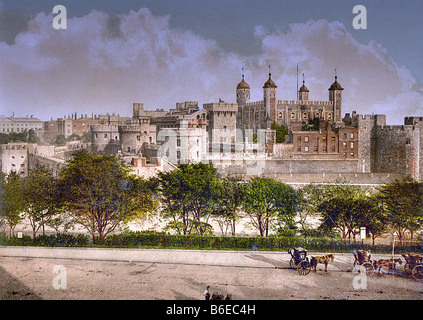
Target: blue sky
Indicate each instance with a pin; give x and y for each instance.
(162, 52)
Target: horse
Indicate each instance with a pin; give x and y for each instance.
(324, 260)
(390, 263)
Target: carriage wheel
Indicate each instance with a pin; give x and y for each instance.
(369, 268)
(408, 268)
(304, 267)
(417, 273)
(292, 263)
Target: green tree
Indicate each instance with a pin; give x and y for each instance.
(11, 200)
(189, 195)
(229, 203)
(267, 201)
(40, 198)
(99, 193)
(281, 132)
(403, 203)
(59, 141)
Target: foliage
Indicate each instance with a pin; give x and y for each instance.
(281, 132)
(25, 136)
(230, 200)
(403, 203)
(267, 201)
(189, 195)
(11, 200)
(145, 239)
(40, 198)
(100, 194)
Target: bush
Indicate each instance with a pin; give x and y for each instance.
(147, 239)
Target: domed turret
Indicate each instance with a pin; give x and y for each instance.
(335, 96)
(303, 93)
(243, 84)
(270, 83)
(242, 92)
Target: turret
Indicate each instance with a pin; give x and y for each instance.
(335, 96)
(303, 93)
(269, 97)
(242, 92)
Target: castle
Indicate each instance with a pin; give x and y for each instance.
(235, 136)
(238, 138)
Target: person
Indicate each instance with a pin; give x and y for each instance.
(207, 293)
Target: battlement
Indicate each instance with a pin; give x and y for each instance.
(99, 128)
(255, 104)
(221, 106)
(397, 128)
(306, 102)
(413, 120)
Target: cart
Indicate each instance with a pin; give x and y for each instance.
(299, 261)
(414, 265)
(362, 258)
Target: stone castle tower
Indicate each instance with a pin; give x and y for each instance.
(335, 96)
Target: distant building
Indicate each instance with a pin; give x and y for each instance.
(12, 124)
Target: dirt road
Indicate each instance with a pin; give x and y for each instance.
(59, 278)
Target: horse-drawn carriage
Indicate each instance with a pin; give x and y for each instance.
(299, 261)
(363, 259)
(414, 265)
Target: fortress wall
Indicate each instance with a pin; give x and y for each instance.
(329, 178)
(397, 150)
(288, 166)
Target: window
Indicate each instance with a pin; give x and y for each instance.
(299, 139)
(352, 135)
(138, 138)
(306, 139)
(293, 115)
(178, 142)
(306, 149)
(333, 149)
(352, 154)
(299, 149)
(333, 139)
(352, 145)
(280, 115)
(105, 135)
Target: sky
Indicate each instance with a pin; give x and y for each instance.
(161, 52)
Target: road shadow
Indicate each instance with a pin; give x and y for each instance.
(273, 262)
(12, 289)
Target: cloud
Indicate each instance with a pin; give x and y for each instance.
(373, 82)
(103, 63)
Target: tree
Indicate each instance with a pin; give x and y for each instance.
(281, 132)
(230, 201)
(39, 198)
(99, 193)
(189, 196)
(403, 203)
(11, 200)
(267, 200)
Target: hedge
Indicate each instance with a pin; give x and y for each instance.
(145, 239)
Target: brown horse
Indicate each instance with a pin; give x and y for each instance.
(324, 260)
(390, 263)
